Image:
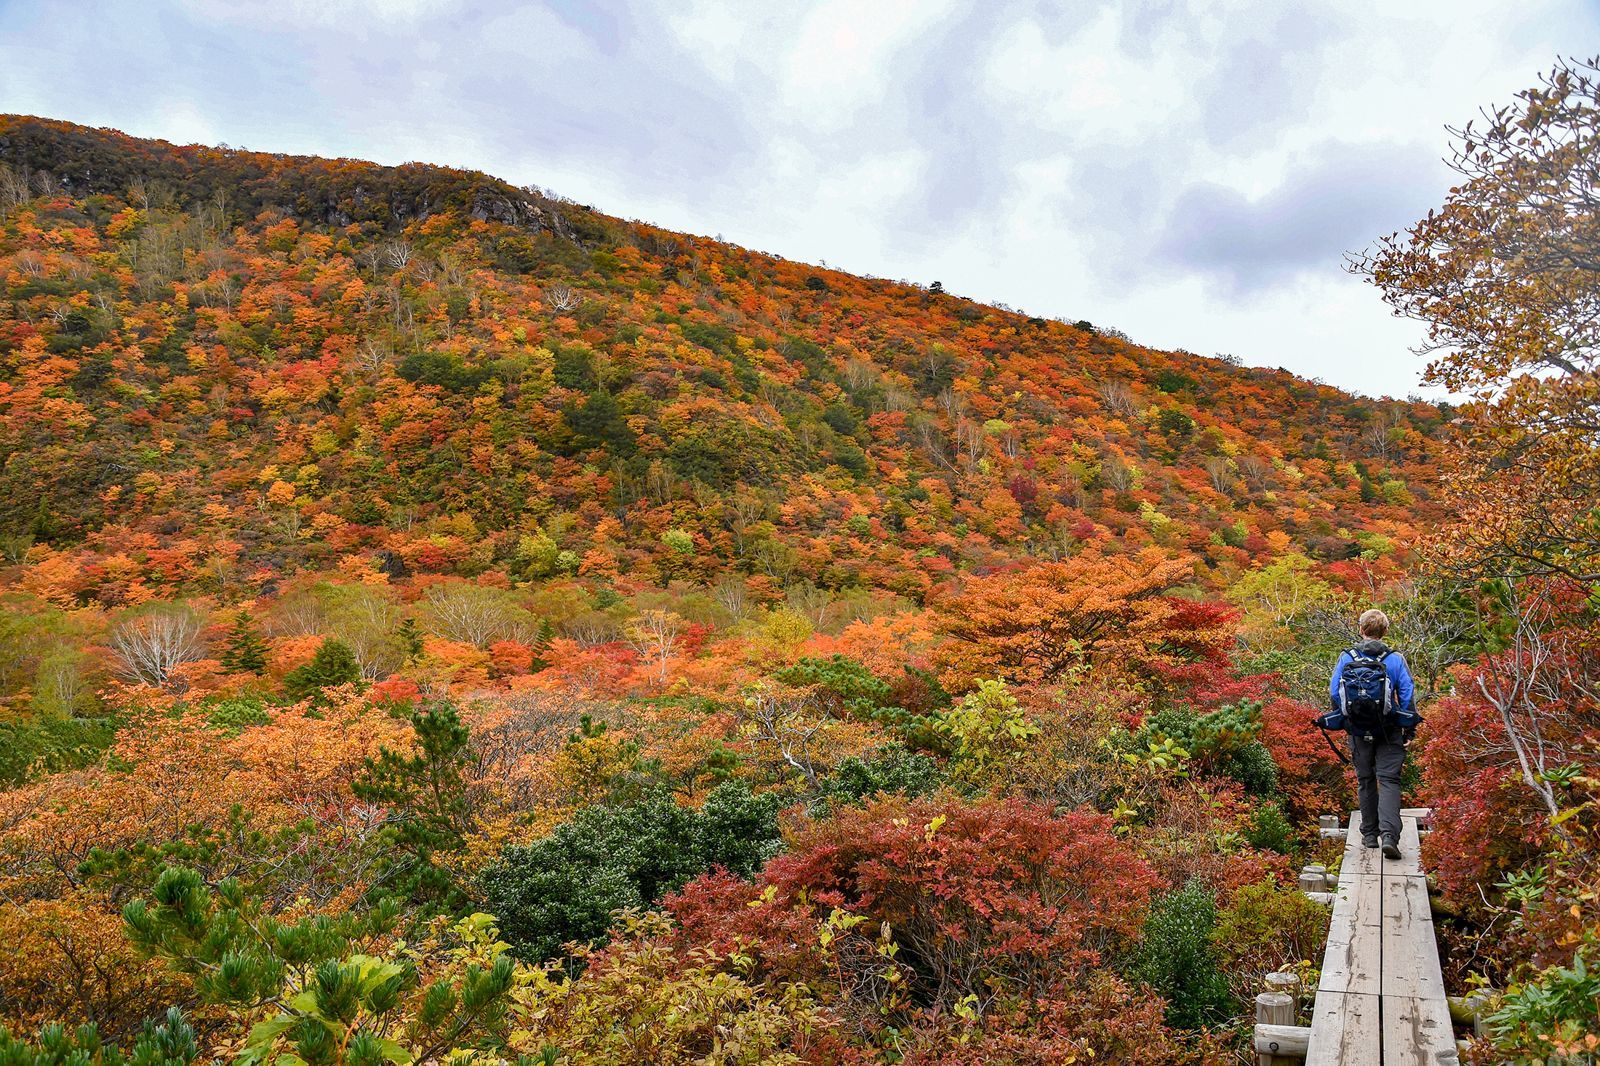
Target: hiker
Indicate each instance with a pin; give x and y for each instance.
(1374, 700)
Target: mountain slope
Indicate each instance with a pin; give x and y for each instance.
(218, 368)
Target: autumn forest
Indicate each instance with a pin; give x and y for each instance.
(442, 622)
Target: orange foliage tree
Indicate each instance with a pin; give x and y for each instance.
(1040, 622)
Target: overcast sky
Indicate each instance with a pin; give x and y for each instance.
(1190, 173)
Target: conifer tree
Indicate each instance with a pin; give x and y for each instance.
(246, 652)
(333, 664)
(427, 799)
(411, 640)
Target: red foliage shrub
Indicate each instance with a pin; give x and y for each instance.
(509, 658)
(974, 892)
(1485, 822)
(395, 691)
(1311, 778)
(720, 912)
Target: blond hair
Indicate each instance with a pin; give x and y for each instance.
(1373, 623)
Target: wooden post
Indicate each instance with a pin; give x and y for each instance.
(1282, 1043)
(1471, 1009)
(1314, 878)
(1328, 821)
(1274, 1009)
(1287, 983)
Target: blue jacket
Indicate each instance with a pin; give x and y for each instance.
(1405, 692)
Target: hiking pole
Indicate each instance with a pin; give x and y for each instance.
(1337, 753)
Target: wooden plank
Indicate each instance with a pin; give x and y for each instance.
(1410, 951)
(1352, 961)
(1345, 1031)
(1357, 858)
(1410, 861)
(1417, 1032)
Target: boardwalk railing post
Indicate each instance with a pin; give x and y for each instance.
(1471, 1008)
(1287, 983)
(1314, 878)
(1275, 1009)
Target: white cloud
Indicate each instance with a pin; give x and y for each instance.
(1086, 86)
(843, 55)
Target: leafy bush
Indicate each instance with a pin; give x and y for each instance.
(1551, 1017)
(567, 886)
(988, 730)
(236, 712)
(1268, 927)
(1176, 958)
(978, 895)
(647, 999)
(1224, 741)
(1269, 830)
(890, 769)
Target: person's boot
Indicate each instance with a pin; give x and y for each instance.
(1391, 846)
(1369, 840)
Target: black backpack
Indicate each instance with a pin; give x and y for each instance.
(1364, 691)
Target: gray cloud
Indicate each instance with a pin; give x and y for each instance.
(1327, 204)
(1267, 75)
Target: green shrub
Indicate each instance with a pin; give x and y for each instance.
(707, 335)
(1560, 1003)
(1267, 927)
(1222, 742)
(890, 769)
(51, 745)
(334, 664)
(235, 713)
(1269, 830)
(567, 886)
(1175, 957)
(445, 370)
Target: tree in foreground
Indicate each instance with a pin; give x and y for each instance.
(1505, 275)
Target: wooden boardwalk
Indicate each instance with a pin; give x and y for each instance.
(1381, 1001)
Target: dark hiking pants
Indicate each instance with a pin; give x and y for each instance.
(1377, 763)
